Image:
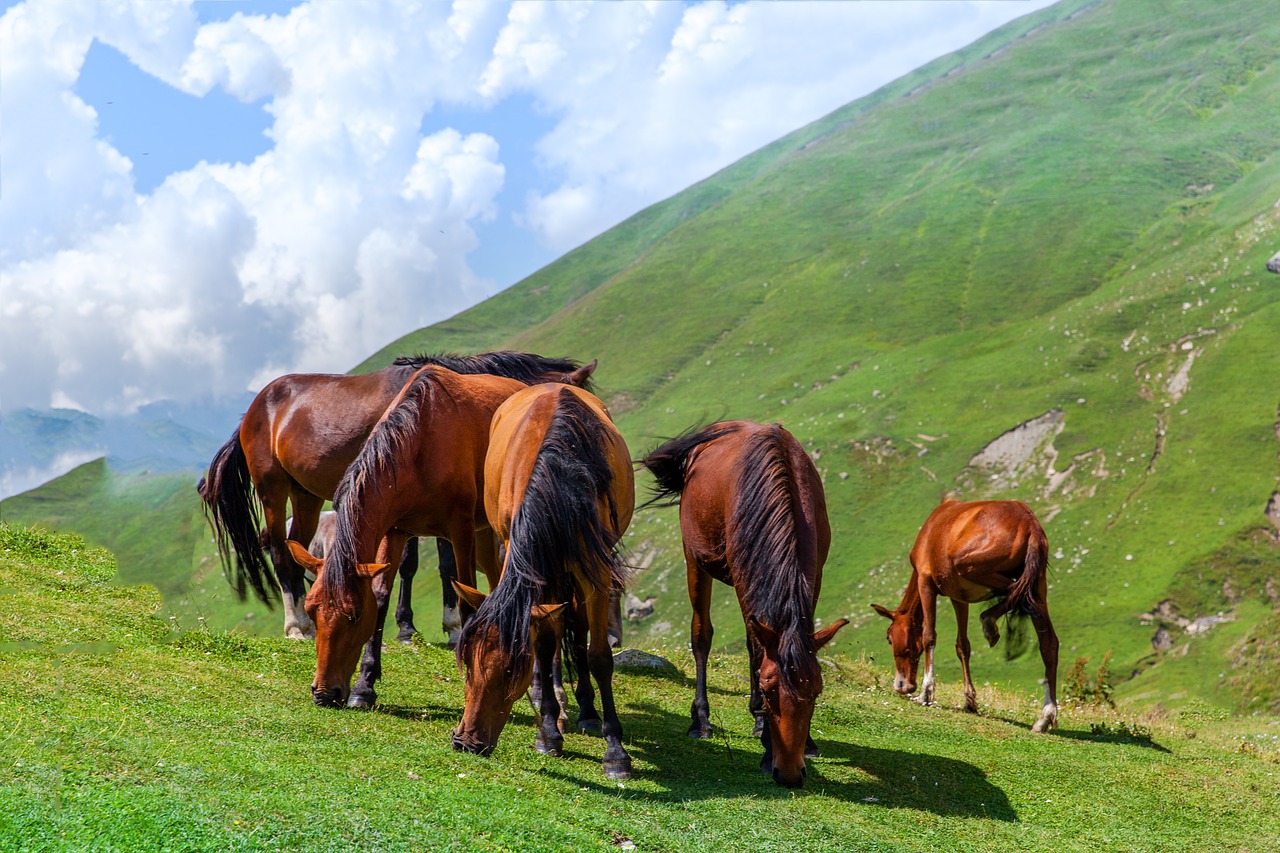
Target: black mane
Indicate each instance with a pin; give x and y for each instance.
(557, 528)
(526, 367)
(763, 547)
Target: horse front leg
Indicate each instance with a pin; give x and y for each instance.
(755, 654)
(963, 650)
(700, 633)
(928, 638)
(1049, 654)
(548, 740)
(617, 763)
(404, 602)
(362, 694)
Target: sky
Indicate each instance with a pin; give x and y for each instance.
(197, 197)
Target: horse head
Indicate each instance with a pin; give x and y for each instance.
(341, 631)
(905, 638)
(790, 689)
(494, 678)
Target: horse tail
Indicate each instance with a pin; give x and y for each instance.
(231, 506)
(1035, 564)
(559, 526)
(765, 547)
(669, 463)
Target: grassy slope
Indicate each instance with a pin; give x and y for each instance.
(1044, 228)
(122, 735)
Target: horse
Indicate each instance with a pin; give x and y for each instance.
(971, 552)
(420, 473)
(559, 491)
(294, 444)
(753, 515)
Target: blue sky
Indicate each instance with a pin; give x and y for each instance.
(197, 197)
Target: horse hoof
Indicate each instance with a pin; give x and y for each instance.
(362, 700)
(549, 746)
(758, 731)
(618, 769)
(1043, 725)
(589, 727)
(406, 637)
(699, 732)
(810, 749)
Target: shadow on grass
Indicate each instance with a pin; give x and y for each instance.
(1103, 734)
(727, 766)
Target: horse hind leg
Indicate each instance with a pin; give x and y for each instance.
(963, 651)
(451, 619)
(404, 602)
(1049, 654)
(293, 590)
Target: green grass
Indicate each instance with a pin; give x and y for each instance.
(116, 733)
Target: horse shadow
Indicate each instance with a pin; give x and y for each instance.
(727, 766)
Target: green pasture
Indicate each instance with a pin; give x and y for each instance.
(118, 733)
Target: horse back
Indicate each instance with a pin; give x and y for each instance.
(972, 549)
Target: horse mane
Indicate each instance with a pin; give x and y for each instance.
(373, 469)
(762, 545)
(669, 462)
(557, 526)
(526, 367)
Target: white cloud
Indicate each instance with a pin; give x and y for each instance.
(355, 226)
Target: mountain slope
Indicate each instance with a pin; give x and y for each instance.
(1071, 218)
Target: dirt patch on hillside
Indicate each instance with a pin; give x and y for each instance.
(1026, 454)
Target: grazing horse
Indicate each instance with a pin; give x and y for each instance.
(753, 516)
(559, 491)
(420, 473)
(294, 444)
(971, 552)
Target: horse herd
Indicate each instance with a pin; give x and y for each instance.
(516, 467)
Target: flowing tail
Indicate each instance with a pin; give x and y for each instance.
(669, 461)
(1036, 562)
(231, 506)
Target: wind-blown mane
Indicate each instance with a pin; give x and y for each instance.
(669, 462)
(373, 469)
(768, 559)
(524, 367)
(557, 527)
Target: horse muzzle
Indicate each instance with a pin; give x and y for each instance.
(331, 697)
(474, 746)
(903, 686)
(790, 780)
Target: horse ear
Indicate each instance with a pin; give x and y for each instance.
(765, 635)
(472, 596)
(883, 611)
(304, 558)
(821, 638)
(580, 376)
(542, 613)
(371, 570)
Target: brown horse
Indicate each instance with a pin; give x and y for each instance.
(971, 552)
(294, 445)
(559, 491)
(753, 515)
(420, 473)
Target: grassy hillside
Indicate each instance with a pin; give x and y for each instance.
(122, 735)
(1062, 225)
(1072, 215)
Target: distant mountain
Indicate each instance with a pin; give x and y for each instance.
(38, 445)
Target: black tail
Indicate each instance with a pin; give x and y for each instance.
(231, 506)
(1021, 595)
(669, 461)
(558, 532)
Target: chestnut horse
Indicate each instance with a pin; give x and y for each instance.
(559, 491)
(753, 516)
(294, 444)
(971, 552)
(420, 473)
